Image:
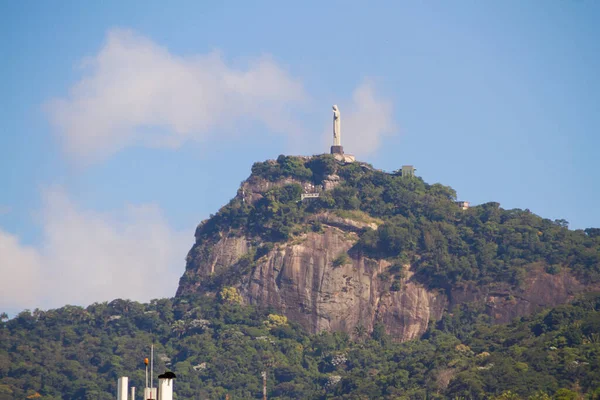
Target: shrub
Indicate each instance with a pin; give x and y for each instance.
(275, 320)
(230, 295)
(340, 260)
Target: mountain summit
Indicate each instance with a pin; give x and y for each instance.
(340, 246)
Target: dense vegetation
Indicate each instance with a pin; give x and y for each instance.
(218, 347)
(422, 224)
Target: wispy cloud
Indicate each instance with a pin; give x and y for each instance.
(136, 92)
(87, 256)
(366, 121)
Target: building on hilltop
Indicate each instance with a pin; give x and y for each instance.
(463, 204)
(408, 170)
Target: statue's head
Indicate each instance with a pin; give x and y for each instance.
(335, 107)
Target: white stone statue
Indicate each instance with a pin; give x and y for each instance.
(337, 129)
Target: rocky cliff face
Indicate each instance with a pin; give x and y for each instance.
(302, 279)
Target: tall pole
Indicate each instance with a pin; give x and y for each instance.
(152, 366)
(264, 376)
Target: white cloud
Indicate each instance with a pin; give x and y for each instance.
(87, 256)
(136, 92)
(365, 122)
(20, 267)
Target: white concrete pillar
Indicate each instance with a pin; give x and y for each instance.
(122, 388)
(165, 389)
(150, 394)
(132, 393)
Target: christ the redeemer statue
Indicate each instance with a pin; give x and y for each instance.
(337, 128)
(337, 132)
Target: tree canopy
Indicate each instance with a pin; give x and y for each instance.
(218, 347)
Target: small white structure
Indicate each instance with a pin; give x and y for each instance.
(463, 204)
(309, 196)
(150, 394)
(165, 389)
(346, 158)
(122, 388)
(408, 170)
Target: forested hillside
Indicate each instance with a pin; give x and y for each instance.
(218, 347)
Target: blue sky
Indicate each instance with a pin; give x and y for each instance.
(124, 124)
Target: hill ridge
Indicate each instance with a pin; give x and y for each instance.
(277, 251)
